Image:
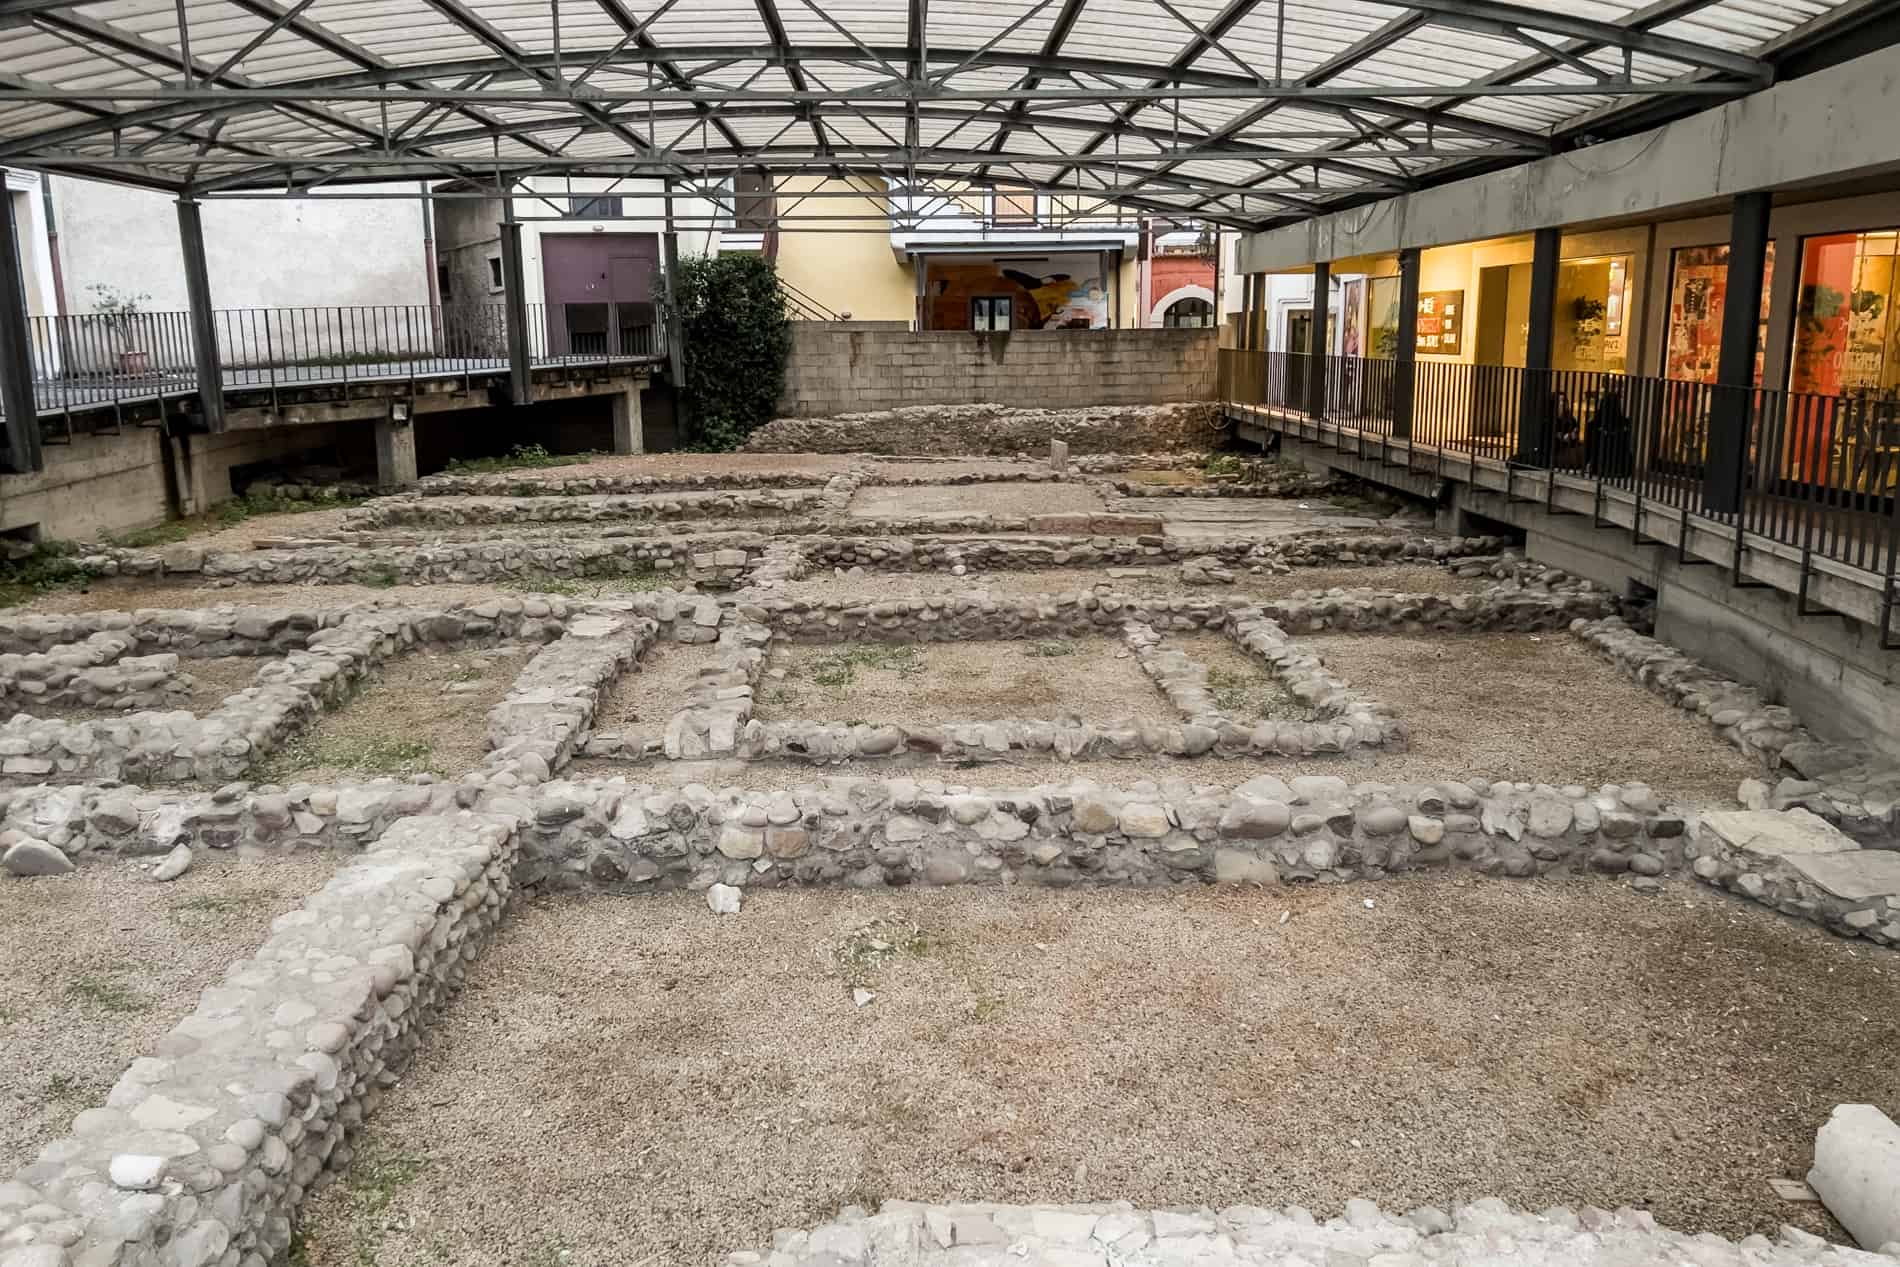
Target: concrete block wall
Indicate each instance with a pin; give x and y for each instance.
(840, 369)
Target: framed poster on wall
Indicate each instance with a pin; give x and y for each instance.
(1441, 322)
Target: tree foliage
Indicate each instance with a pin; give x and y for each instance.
(735, 338)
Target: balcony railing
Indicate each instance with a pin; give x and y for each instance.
(94, 360)
(1820, 474)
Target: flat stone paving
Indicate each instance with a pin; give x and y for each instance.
(627, 1082)
(97, 965)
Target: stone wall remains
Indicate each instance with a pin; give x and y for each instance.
(834, 371)
(904, 426)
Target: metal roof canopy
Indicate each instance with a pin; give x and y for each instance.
(1242, 112)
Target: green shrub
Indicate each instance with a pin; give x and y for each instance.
(735, 337)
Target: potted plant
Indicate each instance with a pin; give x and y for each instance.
(120, 310)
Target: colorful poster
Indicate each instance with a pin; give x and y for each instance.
(1352, 305)
(1441, 322)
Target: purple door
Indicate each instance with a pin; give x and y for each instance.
(599, 292)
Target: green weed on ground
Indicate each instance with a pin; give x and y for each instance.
(517, 458)
(54, 566)
(840, 668)
(99, 990)
(376, 755)
(641, 580)
(375, 1178)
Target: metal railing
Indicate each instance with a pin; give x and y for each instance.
(91, 361)
(1817, 473)
(802, 306)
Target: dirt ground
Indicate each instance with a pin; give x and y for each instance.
(975, 499)
(96, 966)
(644, 697)
(1535, 707)
(425, 711)
(1555, 1041)
(818, 465)
(1096, 678)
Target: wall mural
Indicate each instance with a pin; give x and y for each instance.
(1057, 293)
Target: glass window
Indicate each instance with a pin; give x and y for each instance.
(1698, 288)
(1591, 326)
(1183, 313)
(1846, 340)
(990, 312)
(592, 208)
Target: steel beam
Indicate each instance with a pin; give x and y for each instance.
(204, 330)
(515, 304)
(1533, 402)
(1405, 356)
(1730, 411)
(1318, 347)
(16, 350)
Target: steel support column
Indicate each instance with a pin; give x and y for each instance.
(515, 302)
(1245, 341)
(675, 329)
(1405, 355)
(1533, 400)
(16, 350)
(204, 326)
(1317, 345)
(1729, 413)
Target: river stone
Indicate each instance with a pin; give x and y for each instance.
(28, 856)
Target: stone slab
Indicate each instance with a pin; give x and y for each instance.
(1776, 833)
(1853, 877)
(1857, 1172)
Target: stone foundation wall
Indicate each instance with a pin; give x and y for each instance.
(833, 371)
(991, 429)
(621, 836)
(204, 1150)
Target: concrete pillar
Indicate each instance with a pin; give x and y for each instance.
(629, 429)
(17, 401)
(395, 451)
(1730, 412)
(1405, 356)
(204, 329)
(1533, 402)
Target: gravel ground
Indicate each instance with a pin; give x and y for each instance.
(644, 697)
(1095, 678)
(1562, 1040)
(1532, 707)
(975, 499)
(426, 711)
(242, 536)
(96, 966)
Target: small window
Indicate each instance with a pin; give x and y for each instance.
(494, 272)
(990, 313)
(1188, 314)
(443, 290)
(591, 207)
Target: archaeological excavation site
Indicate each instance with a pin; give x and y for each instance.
(957, 633)
(821, 858)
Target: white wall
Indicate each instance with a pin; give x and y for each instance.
(260, 253)
(29, 223)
